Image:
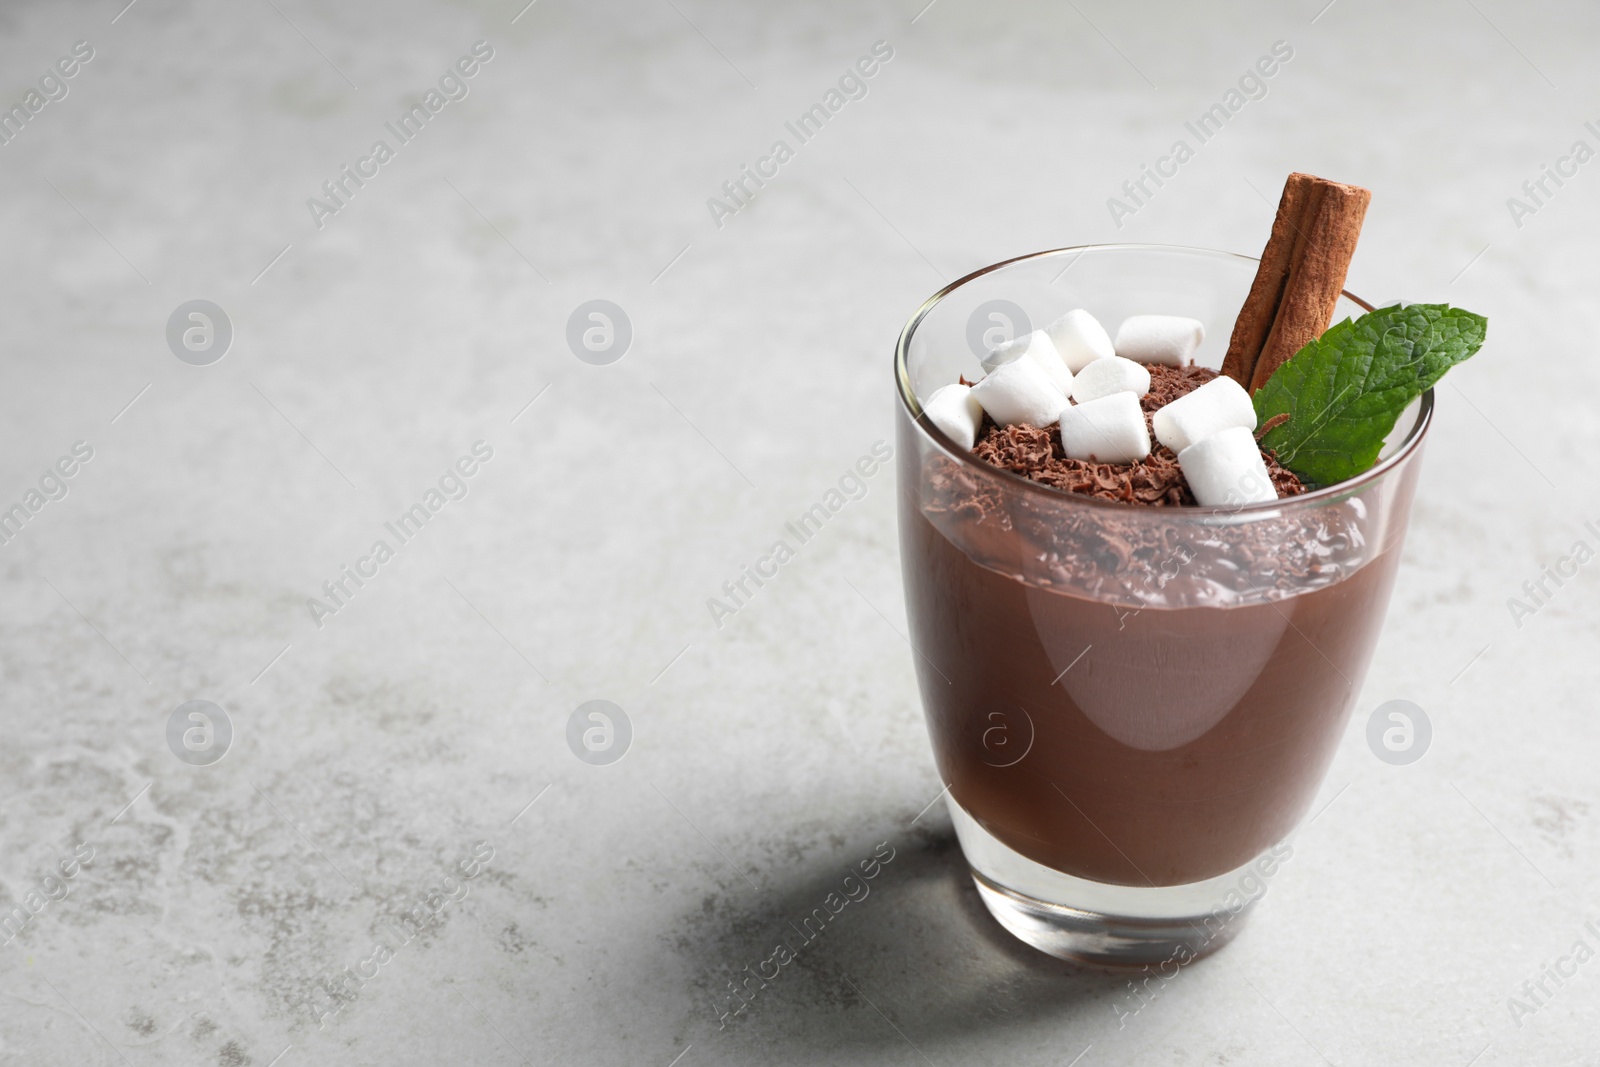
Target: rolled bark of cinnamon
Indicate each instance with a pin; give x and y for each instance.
(1300, 278)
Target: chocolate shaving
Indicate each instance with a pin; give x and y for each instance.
(1272, 424)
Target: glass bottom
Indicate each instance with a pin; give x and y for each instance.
(1100, 925)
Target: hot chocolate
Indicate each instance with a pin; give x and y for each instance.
(1115, 739)
(1128, 708)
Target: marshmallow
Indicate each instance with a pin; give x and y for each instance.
(1038, 347)
(1080, 339)
(1227, 469)
(1217, 405)
(956, 412)
(1110, 429)
(1020, 391)
(1110, 375)
(1168, 339)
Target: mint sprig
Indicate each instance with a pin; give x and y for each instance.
(1344, 391)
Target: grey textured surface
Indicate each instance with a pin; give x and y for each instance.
(770, 753)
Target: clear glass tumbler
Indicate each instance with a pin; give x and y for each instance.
(1132, 706)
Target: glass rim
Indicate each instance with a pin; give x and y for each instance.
(1311, 498)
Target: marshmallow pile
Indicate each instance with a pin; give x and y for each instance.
(1073, 374)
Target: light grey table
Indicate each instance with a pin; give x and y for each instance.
(423, 724)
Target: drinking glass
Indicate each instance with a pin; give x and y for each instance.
(1132, 706)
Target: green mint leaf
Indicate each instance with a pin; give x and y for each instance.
(1344, 391)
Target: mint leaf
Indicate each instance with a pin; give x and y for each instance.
(1344, 391)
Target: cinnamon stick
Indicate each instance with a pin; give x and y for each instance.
(1300, 278)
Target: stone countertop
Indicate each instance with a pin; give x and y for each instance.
(416, 731)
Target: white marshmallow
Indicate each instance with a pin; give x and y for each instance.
(1080, 339)
(1217, 405)
(1227, 469)
(956, 412)
(1110, 429)
(1110, 375)
(1168, 339)
(1020, 391)
(1038, 347)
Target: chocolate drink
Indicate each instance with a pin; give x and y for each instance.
(1185, 740)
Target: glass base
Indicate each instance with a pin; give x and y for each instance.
(1101, 925)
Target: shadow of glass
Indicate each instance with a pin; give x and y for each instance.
(830, 963)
